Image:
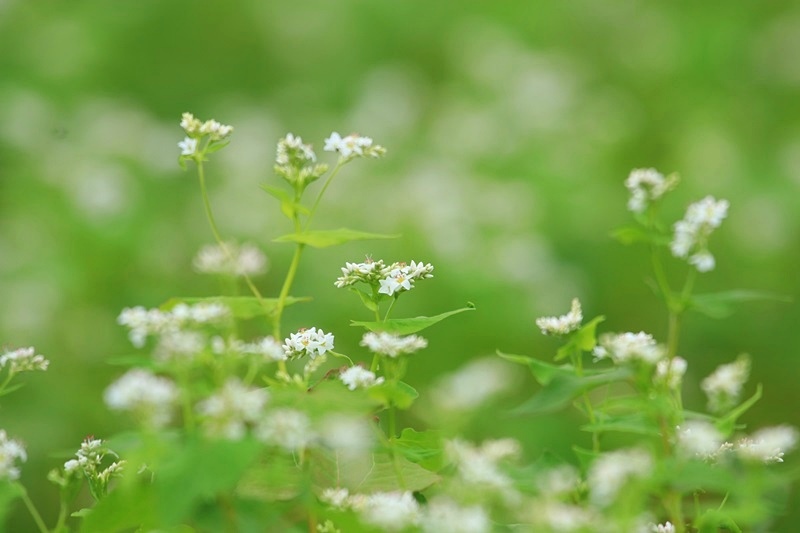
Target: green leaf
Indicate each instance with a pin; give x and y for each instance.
(242, 307)
(365, 475)
(727, 423)
(720, 304)
(584, 339)
(406, 326)
(421, 447)
(636, 423)
(325, 238)
(274, 478)
(289, 206)
(366, 298)
(9, 492)
(397, 393)
(631, 235)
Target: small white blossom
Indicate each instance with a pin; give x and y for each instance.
(292, 150)
(442, 514)
(390, 511)
(349, 435)
(392, 345)
(562, 517)
(311, 342)
(563, 479)
(232, 260)
(670, 372)
(561, 325)
(472, 385)
(196, 128)
(768, 445)
(88, 460)
(190, 124)
(691, 234)
(353, 146)
(288, 428)
(179, 344)
(11, 453)
(698, 438)
(626, 347)
(23, 360)
(647, 185)
(666, 527)
(146, 322)
(147, 395)
(478, 465)
(359, 377)
(369, 272)
(724, 386)
(337, 497)
(268, 348)
(188, 146)
(227, 413)
(610, 471)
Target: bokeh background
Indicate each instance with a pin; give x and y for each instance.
(511, 127)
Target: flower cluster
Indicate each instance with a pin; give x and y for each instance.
(611, 471)
(627, 347)
(311, 342)
(227, 413)
(148, 396)
(359, 377)
(145, 322)
(88, 461)
(230, 260)
(387, 279)
(295, 161)
(670, 372)
(369, 272)
(698, 438)
(287, 428)
(392, 345)
(561, 325)
(701, 439)
(22, 360)
(267, 348)
(768, 445)
(353, 146)
(197, 130)
(691, 233)
(11, 452)
(647, 185)
(480, 465)
(724, 386)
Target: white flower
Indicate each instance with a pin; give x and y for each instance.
(626, 347)
(768, 445)
(392, 345)
(359, 377)
(369, 272)
(563, 479)
(699, 438)
(647, 185)
(724, 386)
(561, 517)
(337, 497)
(268, 348)
(703, 261)
(292, 151)
(442, 514)
(23, 360)
(190, 124)
(551, 325)
(188, 146)
(395, 281)
(478, 465)
(11, 452)
(88, 460)
(288, 428)
(670, 372)
(227, 413)
(353, 146)
(179, 344)
(472, 385)
(215, 130)
(692, 233)
(311, 342)
(147, 395)
(145, 322)
(391, 511)
(610, 471)
(349, 435)
(666, 527)
(232, 260)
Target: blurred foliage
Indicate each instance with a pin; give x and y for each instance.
(510, 127)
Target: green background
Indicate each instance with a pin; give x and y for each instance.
(511, 127)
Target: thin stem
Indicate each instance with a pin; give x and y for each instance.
(328, 181)
(287, 285)
(32, 510)
(389, 310)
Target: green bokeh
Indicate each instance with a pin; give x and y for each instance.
(510, 127)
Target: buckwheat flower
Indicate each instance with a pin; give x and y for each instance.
(670, 372)
(188, 146)
(190, 124)
(359, 377)
(724, 386)
(368, 272)
(478, 465)
(768, 445)
(698, 438)
(562, 517)
(401, 277)
(627, 347)
(352, 146)
(227, 413)
(11, 453)
(561, 325)
(311, 342)
(392, 345)
(88, 461)
(335, 497)
(215, 130)
(232, 260)
(443, 514)
(179, 344)
(268, 348)
(666, 527)
(390, 511)
(146, 322)
(287, 428)
(691, 234)
(559, 480)
(292, 151)
(474, 384)
(146, 395)
(349, 435)
(23, 360)
(612, 470)
(647, 185)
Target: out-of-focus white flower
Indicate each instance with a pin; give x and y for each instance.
(179, 344)
(311, 342)
(390, 511)
(561, 517)
(353, 146)
(442, 514)
(196, 128)
(23, 360)
(359, 377)
(472, 385)
(666, 527)
(268, 348)
(768, 445)
(692, 233)
(288, 428)
(698, 438)
(227, 413)
(478, 465)
(610, 471)
(350, 435)
(561, 325)
(558, 480)
(190, 124)
(188, 146)
(335, 497)
(11, 453)
(292, 151)
(626, 347)
(392, 345)
(232, 260)
(724, 386)
(647, 185)
(148, 396)
(670, 372)
(146, 322)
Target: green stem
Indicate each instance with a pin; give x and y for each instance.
(389, 310)
(32, 510)
(328, 181)
(287, 285)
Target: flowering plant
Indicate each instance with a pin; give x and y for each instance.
(242, 432)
